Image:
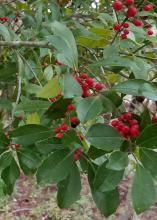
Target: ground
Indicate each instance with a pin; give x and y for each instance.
(31, 202)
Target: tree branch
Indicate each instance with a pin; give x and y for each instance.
(16, 44)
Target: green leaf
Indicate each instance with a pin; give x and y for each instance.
(4, 142)
(5, 103)
(71, 88)
(148, 137)
(143, 190)
(118, 161)
(113, 97)
(69, 189)
(5, 160)
(29, 134)
(106, 179)
(106, 202)
(137, 87)
(10, 174)
(104, 137)
(145, 118)
(56, 167)
(89, 108)
(148, 158)
(33, 118)
(65, 43)
(51, 89)
(5, 33)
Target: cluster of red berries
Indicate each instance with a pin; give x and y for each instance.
(89, 86)
(78, 152)
(126, 125)
(4, 19)
(61, 130)
(131, 13)
(53, 100)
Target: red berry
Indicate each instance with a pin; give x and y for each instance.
(133, 122)
(85, 86)
(4, 19)
(57, 62)
(64, 127)
(85, 93)
(117, 5)
(150, 32)
(90, 82)
(127, 116)
(74, 120)
(154, 119)
(116, 27)
(99, 86)
(125, 130)
(132, 11)
(70, 107)
(53, 100)
(84, 76)
(76, 157)
(137, 23)
(126, 32)
(115, 122)
(123, 36)
(78, 79)
(17, 146)
(134, 131)
(126, 25)
(57, 130)
(129, 2)
(21, 117)
(148, 7)
(59, 135)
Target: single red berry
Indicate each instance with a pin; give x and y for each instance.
(117, 5)
(74, 120)
(125, 25)
(148, 7)
(59, 135)
(114, 122)
(90, 82)
(17, 146)
(132, 11)
(133, 122)
(85, 86)
(154, 119)
(127, 116)
(57, 62)
(84, 76)
(76, 157)
(70, 107)
(57, 130)
(125, 130)
(126, 32)
(116, 27)
(150, 32)
(64, 127)
(129, 2)
(99, 86)
(53, 100)
(137, 23)
(85, 93)
(134, 131)
(21, 117)
(123, 36)
(78, 79)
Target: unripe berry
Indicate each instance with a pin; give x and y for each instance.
(59, 135)
(70, 107)
(132, 11)
(117, 27)
(21, 117)
(99, 86)
(148, 7)
(137, 23)
(129, 2)
(117, 5)
(125, 25)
